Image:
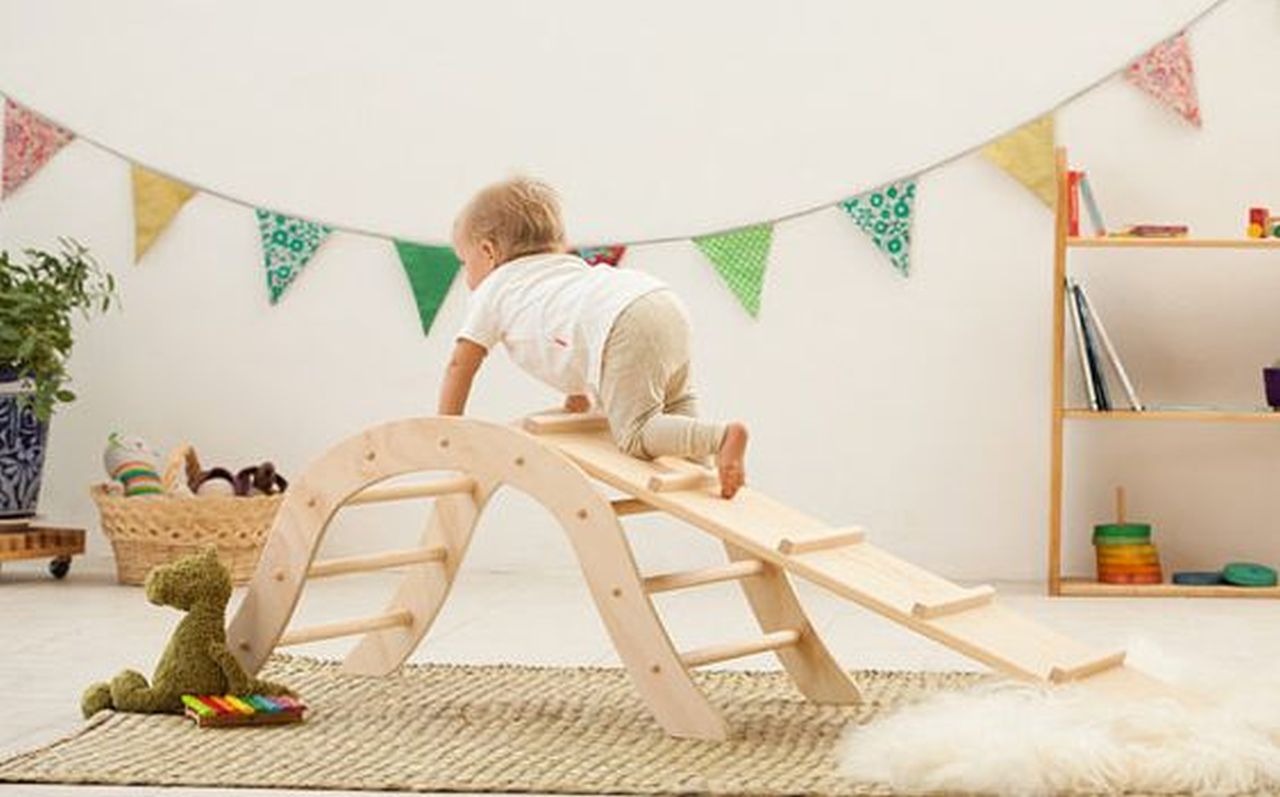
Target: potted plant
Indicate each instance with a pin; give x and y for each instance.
(38, 296)
(1271, 383)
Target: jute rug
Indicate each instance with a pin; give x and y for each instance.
(488, 729)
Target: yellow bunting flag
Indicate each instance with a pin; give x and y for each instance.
(1027, 154)
(156, 200)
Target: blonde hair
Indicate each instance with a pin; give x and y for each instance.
(521, 216)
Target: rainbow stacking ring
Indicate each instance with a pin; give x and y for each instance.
(1121, 533)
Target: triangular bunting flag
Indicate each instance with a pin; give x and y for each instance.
(740, 257)
(1027, 155)
(595, 255)
(287, 245)
(29, 142)
(1166, 73)
(156, 200)
(431, 270)
(885, 214)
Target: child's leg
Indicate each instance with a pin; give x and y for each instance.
(676, 428)
(647, 361)
(732, 449)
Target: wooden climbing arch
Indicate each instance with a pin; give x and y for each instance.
(555, 459)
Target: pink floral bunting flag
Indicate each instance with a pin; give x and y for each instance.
(29, 142)
(1166, 73)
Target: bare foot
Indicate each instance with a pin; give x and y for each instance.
(730, 459)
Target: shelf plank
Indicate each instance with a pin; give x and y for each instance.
(1231, 416)
(1175, 243)
(1082, 587)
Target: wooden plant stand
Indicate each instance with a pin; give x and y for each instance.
(557, 460)
(41, 542)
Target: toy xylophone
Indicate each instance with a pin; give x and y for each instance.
(211, 711)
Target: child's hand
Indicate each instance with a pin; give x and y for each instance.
(577, 403)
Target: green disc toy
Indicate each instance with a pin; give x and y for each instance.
(1249, 574)
(1121, 533)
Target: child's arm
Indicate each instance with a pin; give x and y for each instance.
(466, 360)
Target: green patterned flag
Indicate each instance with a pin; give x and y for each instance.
(287, 245)
(885, 215)
(740, 257)
(431, 270)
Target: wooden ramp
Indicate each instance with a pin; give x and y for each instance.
(554, 460)
(967, 619)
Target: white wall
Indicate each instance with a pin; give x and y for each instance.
(918, 408)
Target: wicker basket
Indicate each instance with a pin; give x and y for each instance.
(146, 531)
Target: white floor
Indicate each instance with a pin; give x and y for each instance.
(57, 637)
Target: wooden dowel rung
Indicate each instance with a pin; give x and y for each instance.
(711, 575)
(1084, 669)
(978, 596)
(685, 480)
(565, 423)
(835, 538)
(346, 628)
(378, 561)
(631, 506)
(736, 650)
(454, 484)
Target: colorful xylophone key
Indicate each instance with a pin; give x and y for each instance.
(210, 711)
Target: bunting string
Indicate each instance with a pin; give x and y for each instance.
(739, 255)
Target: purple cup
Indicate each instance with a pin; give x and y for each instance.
(1271, 380)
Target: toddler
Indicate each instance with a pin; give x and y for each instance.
(617, 335)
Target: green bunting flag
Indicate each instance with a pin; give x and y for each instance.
(885, 215)
(740, 257)
(287, 245)
(431, 270)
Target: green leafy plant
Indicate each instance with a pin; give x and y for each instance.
(37, 299)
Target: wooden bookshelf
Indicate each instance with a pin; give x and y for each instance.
(1086, 588)
(1202, 416)
(1060, 584)
(1119, 242)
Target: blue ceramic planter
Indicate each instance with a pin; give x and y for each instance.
(22, 445)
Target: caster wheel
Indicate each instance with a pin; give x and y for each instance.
(59, 567)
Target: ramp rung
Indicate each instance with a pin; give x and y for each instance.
(565, 422)
(978, 596)
(378, 561)
(736, 650)
(631, 506)
(1086, 668)
(696, 578)
(346, 628)
(835, 538)
(684, 480)
(456, 484)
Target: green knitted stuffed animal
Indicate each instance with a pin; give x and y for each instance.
(196, 661)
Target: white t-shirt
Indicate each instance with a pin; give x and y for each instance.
(554, 313)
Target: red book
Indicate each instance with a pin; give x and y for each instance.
(1073, 203)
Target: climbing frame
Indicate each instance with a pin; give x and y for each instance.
(554, 460)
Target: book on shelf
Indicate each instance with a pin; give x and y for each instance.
(1092, 352)
(1077, 326)
(1073, 203)
(1091, 205)
(1153, 231)
(1096, 350)
(1094, 319)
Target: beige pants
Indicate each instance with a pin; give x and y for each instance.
(645, 384)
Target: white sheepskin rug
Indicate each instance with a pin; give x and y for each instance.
(1027, 740)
